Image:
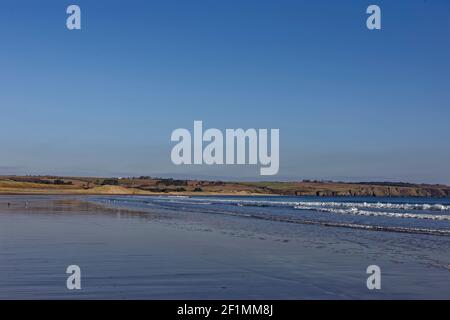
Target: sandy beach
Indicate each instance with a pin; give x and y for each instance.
(126, 254)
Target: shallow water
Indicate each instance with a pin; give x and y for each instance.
(223, 247)
(407, 215)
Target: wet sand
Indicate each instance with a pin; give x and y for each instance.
(125, 254)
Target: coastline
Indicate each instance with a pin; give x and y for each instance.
(53, 185)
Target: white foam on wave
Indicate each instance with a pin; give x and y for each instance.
(375, 209)
(380, 205)
(335, 204)
(358, 212)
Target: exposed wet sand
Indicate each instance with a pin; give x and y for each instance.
(125, 254)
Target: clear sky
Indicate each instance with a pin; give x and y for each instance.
(351, 104)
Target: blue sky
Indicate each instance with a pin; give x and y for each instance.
(351, 104)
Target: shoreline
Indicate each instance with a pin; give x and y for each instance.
(201, 194)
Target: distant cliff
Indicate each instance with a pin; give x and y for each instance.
(357, 189)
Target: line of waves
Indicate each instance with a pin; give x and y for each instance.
(359, 212)
(437, 232)
(273, 218)
(370, 205)
(344, 208)
(352, 208)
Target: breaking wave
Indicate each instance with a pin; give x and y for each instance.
(350, 208)
(372, 205)
(358, 212)
(404, 217)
